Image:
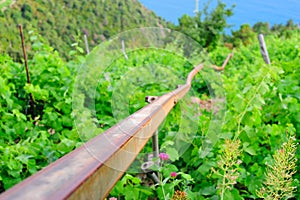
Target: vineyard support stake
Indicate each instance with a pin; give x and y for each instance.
(263, 49)
(155, 144)
(86, 44)
(31, 103)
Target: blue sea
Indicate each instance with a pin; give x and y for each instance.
(245, 11)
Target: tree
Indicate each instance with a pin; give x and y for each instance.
(262, 27)
(245, 35)
(206, 27)
(285, 30)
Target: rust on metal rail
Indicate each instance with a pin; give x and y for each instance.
(224, 64)
(91, 171)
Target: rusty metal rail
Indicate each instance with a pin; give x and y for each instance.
(91, 171)
(224, 63)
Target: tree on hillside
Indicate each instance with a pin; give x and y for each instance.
(262, 27)
(206, 27)
(285, 30)
(243, 36)
(59, 22)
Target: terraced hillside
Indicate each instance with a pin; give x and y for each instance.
(63, 23)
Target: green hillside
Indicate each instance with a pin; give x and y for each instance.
(63, 23)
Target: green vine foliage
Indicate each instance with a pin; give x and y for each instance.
(31, 142)
(262, 102)
(261, 106)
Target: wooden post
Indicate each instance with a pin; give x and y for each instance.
(263, 49)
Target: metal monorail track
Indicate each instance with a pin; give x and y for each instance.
(91, 171)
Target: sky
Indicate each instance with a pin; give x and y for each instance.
(245, 11)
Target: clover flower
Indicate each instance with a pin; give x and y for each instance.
(164, 156)
(173, 174)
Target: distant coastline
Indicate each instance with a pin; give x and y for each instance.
(245, 11)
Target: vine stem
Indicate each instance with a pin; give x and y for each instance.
(245, 110)
(162, 187)
(223, 185)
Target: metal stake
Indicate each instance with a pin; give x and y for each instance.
(155, 146)
(31, 102)
(86, 44)
(124, 50)
(263, 49)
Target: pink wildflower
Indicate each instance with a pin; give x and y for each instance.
(112, 198)
(164, 156)
(173, 174)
